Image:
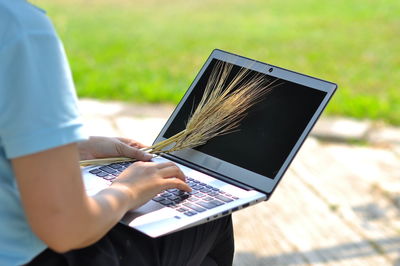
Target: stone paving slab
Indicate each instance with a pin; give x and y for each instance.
(140, 122)
(324, 213)
(339, 129)
(339, 204)
(384, 134)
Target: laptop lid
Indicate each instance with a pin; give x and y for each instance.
(260, 151)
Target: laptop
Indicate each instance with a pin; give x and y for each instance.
(235, 170)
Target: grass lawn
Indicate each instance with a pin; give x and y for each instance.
(151, 50)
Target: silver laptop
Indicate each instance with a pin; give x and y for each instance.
(236, 170)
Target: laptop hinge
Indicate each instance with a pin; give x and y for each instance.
(207, 172)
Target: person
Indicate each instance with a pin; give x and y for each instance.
(46, 216)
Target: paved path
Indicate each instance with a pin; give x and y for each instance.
(339, 203)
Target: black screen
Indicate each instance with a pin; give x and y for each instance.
(269, 131)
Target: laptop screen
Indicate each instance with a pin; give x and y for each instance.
(268, 132)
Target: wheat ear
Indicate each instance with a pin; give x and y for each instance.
(221, 109)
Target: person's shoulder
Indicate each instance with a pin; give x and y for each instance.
(18, 17)
(22, 13)
(8, 14)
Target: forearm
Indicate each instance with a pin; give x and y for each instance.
(101, 213)
(57, 206)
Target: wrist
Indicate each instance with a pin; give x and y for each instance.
(84, 149)
(126, 194)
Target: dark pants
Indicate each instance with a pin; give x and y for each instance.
(207, 244)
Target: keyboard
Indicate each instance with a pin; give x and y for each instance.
(201, 198)
(110, 171)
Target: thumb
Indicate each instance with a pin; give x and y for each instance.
(129, 151)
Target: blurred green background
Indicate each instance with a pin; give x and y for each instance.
(150, 51)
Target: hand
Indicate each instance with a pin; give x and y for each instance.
(104, 147)
(144, 180)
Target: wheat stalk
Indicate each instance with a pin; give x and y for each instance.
(221, 109)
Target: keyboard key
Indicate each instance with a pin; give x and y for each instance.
(109, 177)
(190, 213)
(102, 174)
(197, 187)
(157, 199)
(173, 197)
(193, 199)
(116, 166)
(217, 202)
(199, 195)
(95, 171)
(205, 190)
(194, 207)
(178, 192)
(184, 196)
(208, 205)
(223, 198)
(182, 209)
(208, 199)
(178, 200)
(166, 202)
(107, 169)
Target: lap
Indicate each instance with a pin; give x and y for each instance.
(201, 245)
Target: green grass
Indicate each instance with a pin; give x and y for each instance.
(150, 51)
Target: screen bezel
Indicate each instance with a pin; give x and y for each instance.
(233, 172)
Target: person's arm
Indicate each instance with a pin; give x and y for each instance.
(60, 212)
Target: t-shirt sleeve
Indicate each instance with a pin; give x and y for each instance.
(38, 103)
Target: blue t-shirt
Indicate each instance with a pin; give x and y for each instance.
(38, 111)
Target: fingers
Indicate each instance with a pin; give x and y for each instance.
(164, 175)
(172, 171)
(173, 176)
(128, 151)
(132, 143)
(164, 165)
(176, 183)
